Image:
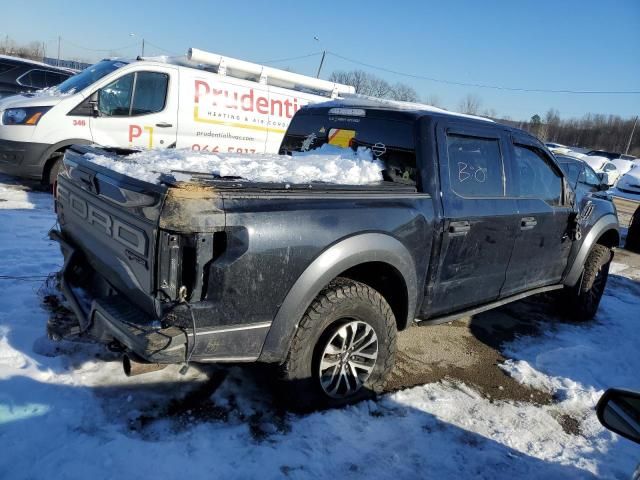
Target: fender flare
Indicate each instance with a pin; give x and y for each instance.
(57, 146)
(345, 254)
(604, 223)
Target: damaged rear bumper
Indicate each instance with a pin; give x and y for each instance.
(112, 317)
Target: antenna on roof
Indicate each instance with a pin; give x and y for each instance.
(267, 75)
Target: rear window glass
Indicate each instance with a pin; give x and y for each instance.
(475, 166)
(390, 141)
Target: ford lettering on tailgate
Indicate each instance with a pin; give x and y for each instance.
(127, 235)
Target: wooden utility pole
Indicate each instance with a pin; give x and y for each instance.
(635, 122)
(324, 52)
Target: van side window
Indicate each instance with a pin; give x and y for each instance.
(475, 166)
(114, 100)
(134, 94)
(150, 93)
(537, 179)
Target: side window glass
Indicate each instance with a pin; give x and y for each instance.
(38, 78)
(114, 100)
(572, 171)
(150, 93)
(55, 78)
(537, 177)
(475, 166)
(590, 178)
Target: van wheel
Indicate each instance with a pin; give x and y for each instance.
(581, 301)
(55, 162)
(343, 349)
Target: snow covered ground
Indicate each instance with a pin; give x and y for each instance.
(67, 412)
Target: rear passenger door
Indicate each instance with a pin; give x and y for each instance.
(542, 244)
(479, 231)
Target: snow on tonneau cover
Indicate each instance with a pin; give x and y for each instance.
(112, 203)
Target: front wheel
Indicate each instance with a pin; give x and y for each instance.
(582, 300)
(55, 163)
(343, 349)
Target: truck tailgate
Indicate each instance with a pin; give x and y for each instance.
(113, 220)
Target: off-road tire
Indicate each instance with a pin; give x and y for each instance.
(581, 301)
(342, 300)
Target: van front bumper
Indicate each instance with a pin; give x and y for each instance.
(22, 159)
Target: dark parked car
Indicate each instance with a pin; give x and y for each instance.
(582, 178)
(603, 153)
(316, 278)
(18, 75)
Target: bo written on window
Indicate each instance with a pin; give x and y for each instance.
(475, 166)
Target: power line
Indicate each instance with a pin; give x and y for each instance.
(481, 85)
(290, 59)
(160, 48)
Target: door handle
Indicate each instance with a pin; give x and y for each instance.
(459, 228)
(164, 125)
(527, 223)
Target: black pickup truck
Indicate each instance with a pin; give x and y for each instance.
(316, 279)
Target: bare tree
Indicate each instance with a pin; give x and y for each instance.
(369, 84)
(403, 92)
(32, 51)
(470, 104)
(434, 100)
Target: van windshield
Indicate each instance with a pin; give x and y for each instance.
(88, 76)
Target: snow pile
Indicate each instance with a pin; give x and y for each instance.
(328, 164)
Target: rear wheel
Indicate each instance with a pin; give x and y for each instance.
(343, 349)
(581, 301)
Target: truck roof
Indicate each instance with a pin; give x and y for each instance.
(365, 101)
(406, 109)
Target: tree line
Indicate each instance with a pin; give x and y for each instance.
(594, 131)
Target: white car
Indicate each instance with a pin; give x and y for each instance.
(630, 182)
(603, 165)
(624, 165)
(574, 154)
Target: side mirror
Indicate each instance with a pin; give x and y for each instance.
(94, 104)
(619, 411)
(604, 181)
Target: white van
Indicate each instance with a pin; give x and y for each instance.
(202, 101)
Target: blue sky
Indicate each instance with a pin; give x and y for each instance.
(543, 44)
